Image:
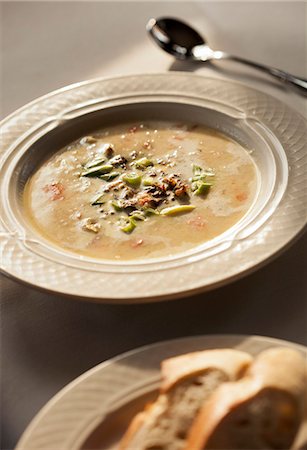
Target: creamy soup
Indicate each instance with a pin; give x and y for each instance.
(149, 189)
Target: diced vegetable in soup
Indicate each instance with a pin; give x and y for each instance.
(141, 190)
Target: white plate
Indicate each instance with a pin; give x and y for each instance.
(94, 411)
(275, 134)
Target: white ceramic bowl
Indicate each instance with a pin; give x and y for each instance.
(273, 133)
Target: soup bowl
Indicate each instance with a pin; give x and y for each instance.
(271, 132)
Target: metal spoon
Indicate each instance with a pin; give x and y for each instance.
(183, 42)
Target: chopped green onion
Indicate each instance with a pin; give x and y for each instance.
(194, 186)
(133, 179)
(138, 215)
(201, 174)
(149, 182)
(199, 181)
(197, 170)
(109, 176)
(97, 170)
(151, 211)
(142, 163)
(116, 206)
(176, 210)
(202, 188)
(199, 178)
(98, 200)
(94, 163)
(129, 227)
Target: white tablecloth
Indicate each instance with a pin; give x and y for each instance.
(47, 340)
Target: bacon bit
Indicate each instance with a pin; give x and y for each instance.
(241, 197)
(182, 190)
(55, 190)
(145, 200)
(197, 222)
(133, 129)
(176, 184)
(135, 244)
(170, 180)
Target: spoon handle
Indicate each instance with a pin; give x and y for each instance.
(299, 83)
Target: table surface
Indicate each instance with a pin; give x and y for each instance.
(48, 340)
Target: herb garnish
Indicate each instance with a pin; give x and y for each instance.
(200, 185)
(142, 190)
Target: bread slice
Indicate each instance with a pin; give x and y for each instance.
(188, 381)
(263, 410)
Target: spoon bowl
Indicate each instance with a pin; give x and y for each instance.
(182, 41)
(175, 37)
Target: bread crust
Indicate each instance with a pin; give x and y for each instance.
(232, 362)
(177, 369)
(134, 426)
(141, 420)
(280, 369)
